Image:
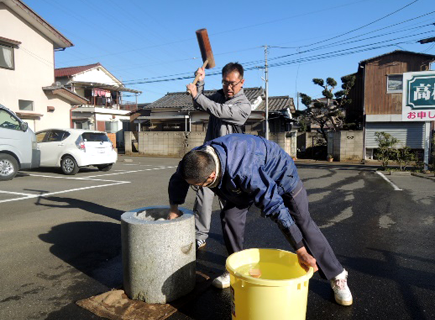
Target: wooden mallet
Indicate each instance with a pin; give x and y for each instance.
(206, 53)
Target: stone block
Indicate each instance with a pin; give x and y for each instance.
(158, 255)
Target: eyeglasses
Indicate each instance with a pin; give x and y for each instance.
(197, 187)
(230, 84)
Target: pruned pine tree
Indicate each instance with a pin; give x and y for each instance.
(328, 112)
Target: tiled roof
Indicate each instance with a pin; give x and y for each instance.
(65, 72)
(277, 104)
(183, 101)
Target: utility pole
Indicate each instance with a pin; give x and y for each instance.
(297, 101)
(266, 79)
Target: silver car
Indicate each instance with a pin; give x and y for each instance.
(72, 149)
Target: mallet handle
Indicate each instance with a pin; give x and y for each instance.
(197, 76)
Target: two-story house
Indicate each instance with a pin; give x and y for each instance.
(27, 83)
(106, 110)
(377, 99)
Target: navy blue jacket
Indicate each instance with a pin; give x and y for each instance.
(253, 171)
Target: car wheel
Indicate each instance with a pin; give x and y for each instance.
(105, 167)
(69, 165)
(8, 167)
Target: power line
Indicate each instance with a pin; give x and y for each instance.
(336, 53)
(326, 46)
(290, 17)
(257, 62)
(366, 25)
(218, 33)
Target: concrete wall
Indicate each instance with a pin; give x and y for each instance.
(177, 144)
(346, 145)
(128, 137)
(287, 141)
(168, 144)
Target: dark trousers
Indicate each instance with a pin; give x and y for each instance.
(233, 221)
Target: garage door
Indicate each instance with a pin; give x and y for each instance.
(409, 134)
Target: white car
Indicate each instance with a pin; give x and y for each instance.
(18, 148)
(72, 149)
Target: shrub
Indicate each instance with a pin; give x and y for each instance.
(386, 150)
(404, 157)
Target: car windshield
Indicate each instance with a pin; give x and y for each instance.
(95, 136)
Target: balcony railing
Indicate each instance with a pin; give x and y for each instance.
(128, 105)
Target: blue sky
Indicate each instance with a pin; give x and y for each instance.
(143, 42)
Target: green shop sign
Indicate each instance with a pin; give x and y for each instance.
(421, 92)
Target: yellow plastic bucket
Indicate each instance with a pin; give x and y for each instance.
(281, 291)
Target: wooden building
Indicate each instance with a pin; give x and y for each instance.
(377, 99)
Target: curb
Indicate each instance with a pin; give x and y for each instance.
(429, 176)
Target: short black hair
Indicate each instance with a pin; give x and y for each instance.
(197, 165)
(232, 66)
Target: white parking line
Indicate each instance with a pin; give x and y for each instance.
(95, 178)
(26, 196)
(90, 178)
(131, 171)
(53, 177)
(44, 195)
(396, 188)
(17, 193)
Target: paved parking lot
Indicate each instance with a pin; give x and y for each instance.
(56, 184)
(60, 239)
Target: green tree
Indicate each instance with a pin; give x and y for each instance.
(328, 112)
(386, 150)
(404, 157)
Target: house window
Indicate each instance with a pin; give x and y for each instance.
(25, 105)
(112, 126)
(6, 56)
(394, 83)
(82, 125)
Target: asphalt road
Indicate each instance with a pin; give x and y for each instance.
(60, 240)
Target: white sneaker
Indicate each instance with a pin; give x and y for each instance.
(223, 281)
(200, 243)
(341, 290)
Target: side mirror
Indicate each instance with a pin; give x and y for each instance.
(24, 126)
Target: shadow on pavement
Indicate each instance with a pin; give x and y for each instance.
(87, 245)
(396, 267)
(66, 203)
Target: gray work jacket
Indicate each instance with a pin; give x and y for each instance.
(226, 116)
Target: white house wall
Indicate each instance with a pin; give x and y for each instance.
(34, 69)
(96, 75)
(108, 117)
